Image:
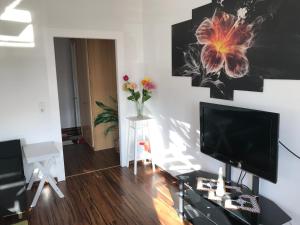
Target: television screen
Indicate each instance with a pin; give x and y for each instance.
(244, 138)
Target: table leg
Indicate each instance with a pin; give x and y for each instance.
(144, 140)
(153, 164)
(32, 178)
(135, 149)
(128, 143)
(46, 173)
(54, 186)
(38, 192)
(151, 148)
(47, 178)
(47, 165)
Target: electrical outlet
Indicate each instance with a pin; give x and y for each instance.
(42, 107)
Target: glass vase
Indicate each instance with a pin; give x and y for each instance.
(139, 109)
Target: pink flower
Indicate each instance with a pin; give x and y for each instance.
(125, 78)
(226, 39)
(149, 86)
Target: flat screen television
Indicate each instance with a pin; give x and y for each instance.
(243, 138)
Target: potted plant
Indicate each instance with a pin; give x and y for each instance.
(109, 115)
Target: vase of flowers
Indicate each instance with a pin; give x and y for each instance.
(136, 96)
(139, 108)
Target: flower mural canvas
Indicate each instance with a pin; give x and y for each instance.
(235, 44)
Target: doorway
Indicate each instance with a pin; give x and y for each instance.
(87, 90)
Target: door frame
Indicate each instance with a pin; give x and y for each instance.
(54, 110)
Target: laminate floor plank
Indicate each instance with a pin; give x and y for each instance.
(110, 197)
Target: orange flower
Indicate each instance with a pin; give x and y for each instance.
(226, 39)
(145, 81)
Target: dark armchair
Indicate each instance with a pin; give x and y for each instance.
(12, 179)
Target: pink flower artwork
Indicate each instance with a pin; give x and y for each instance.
(226, 39)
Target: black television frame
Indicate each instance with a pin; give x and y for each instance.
(275, 117)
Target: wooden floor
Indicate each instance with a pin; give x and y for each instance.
(80, 158)
(110, 197)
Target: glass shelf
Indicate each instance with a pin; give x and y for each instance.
(215, 210)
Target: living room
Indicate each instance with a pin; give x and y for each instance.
(144, 35)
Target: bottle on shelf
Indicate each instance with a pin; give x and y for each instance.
(220, 192)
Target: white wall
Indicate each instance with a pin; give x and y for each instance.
(28, 76)
(176, 107)
(65, 84)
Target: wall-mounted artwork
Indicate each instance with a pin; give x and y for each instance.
(235, 44)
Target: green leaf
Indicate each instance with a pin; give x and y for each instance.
(131, 98)
(137, 95)
(145, 92)
(109, 115)
(146, 96)
(103, 120)
(104, 107)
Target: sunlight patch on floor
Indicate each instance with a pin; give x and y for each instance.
(162, 211)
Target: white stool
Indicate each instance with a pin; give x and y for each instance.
(137, 125)
(40, 154)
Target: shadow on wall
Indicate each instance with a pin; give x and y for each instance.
(179, 145)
